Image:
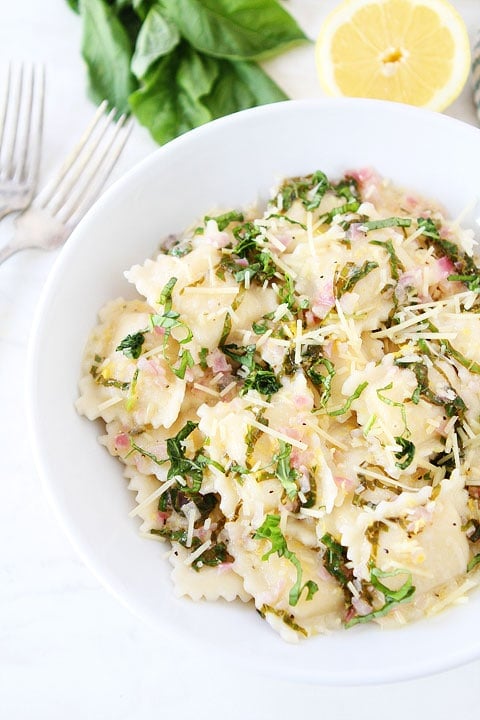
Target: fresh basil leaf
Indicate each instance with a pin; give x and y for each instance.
(235, 29)
(107, 51)
(157, 37)
(241, 85)
(169, 101)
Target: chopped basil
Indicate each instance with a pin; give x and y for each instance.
(386, 222)
(166, 294)
(202, 356)
(335, 559)
(392, 597)
(473, 562)
(471, 365)
(180, 250)
(246, 236)
(354, 396)
(186, 360)
(429, 229)
(270, 530)
(259, 328)
(288, 219)
(146, 453)
(393, 403)
(214, 555)
(347, 188)
(106, 382)
(406, 454)
(351, 274)
(225, 219)
(286, 292)
(463, 262)
(395, 263)
(259, 378)
(168, 321)
(309, 189)
(242, 354)
(471, 281)
(324, 381)
(263, 381)
(181, 466)
(348, 207)
(132, 397)
(475, 535)
(131, 345)
(284, 472)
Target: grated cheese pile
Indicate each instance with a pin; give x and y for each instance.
(295, 397)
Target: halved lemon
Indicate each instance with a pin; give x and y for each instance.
(411, 51)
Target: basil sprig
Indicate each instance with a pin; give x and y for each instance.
(177, 64)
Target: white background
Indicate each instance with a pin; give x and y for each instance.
(67, 648)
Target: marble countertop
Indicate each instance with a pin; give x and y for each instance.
(67, 647)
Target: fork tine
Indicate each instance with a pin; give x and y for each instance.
(13, 119)
(73, 211)
(32, 136)
(22, 133)
(46, 196)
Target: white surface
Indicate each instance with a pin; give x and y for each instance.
(67, 648)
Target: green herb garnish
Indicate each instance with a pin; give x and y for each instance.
(471, 281)
(351, 274)
(166, 294)
(386, 222)
(348, 207)
(335, 559)
(392, 597)
(406, 454)
(284, 472)
(395, 263)
(309, 189)
(270, 530)
(346, 406)
(131, 345)
(473, 562)
(225, 219)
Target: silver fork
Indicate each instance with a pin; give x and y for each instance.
(58, 208)
(21, 125)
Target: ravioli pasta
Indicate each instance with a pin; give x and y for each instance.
(295, 398)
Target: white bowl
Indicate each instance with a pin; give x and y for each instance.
(228, 163)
